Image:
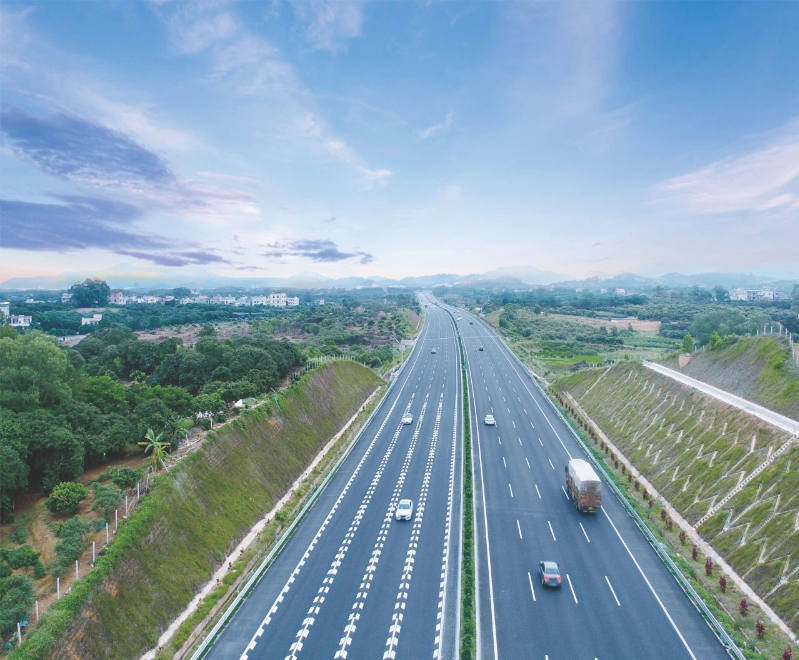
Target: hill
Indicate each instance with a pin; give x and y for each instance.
(757, 368)
(195, 515)
(696, 451)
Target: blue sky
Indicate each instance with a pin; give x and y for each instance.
(399, 138)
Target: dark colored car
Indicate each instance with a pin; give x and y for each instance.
(549, 573)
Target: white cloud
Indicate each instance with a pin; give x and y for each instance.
(444, 126)
(765, 179)
(373, 178)
(331, 22)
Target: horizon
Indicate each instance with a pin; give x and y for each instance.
(355, 139)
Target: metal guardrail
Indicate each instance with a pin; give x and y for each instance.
(717, 627)
(209, 639)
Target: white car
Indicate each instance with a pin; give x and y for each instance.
(490, 421)
(433, 350)
(404, 510)
(407, 418)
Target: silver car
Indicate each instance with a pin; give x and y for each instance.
(404, 510)
(407, 418)
(490, 421)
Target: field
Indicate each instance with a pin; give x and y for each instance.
(555, 344)
(189, 334)
(696, 450)
(195, 514)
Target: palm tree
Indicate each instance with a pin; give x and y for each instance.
(158, 448)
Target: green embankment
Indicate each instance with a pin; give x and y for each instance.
(695, 450)
(193, 517)
(757, 368)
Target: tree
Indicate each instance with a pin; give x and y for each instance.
(106, 498)
(721, 294)
(66, 497)
(107, 394)
(34, 372)
(16, 599)
(715, 340)
(181, 292)
(92, 292)
(158, 449)
(688, 344)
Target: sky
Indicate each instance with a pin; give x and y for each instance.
(397, 138)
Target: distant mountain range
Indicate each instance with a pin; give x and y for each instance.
(124, 276)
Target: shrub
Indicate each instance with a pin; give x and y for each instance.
(23, 557)
(16, 598)
(663, 514)
(206, 424)
(106, 498)
(19, 535)
(66, 497)
(637, 485)
(72, 544)
(708, 566)
(723, 584)
(787, 654)
(682, 537)
(125, 477)
(743, 606)
(694, 552)
(760, 629)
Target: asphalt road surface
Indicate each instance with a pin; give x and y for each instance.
(353, 582)
(617, 599)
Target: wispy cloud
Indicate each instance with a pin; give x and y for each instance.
(444, 126)
(77, 223)
(254, 67)
(330, 22)
(765, 179)
(176, 259)
(86, 153)
(319, 250)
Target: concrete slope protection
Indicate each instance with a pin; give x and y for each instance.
(617, 599)
(353, 582)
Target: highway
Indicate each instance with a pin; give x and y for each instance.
(617, 600)
(352, 582)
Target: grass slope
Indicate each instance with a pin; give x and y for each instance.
(197, 513)
(695, 450)
(757, 368)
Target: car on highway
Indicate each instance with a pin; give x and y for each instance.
(490, 421)
(433, 350)
(407, 418)
(480, 349)
(404, 510)
(549, 573)
(471, 322)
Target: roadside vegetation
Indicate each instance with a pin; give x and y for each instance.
(695, 451)
(760, 369)
(195, 514)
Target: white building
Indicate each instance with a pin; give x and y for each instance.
(277, 299)
(5, 309)
(321, 301)
(259, 300)
(117, 298)
(20, 321)
(293, 301)
(94, 319)
(66, 297)
(757, 295)
(620, 292)
(33, 301)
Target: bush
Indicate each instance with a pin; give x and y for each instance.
(206, 424)
(19, 535)
(16, 599)
(743, 606)
(106, 498)
(72, 544)
(760, 629)
(723, 584)
(66, 497)
(126, 477)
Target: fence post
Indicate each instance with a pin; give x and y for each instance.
(19, 633)
(126, 505)
(94, 552)
(76, 570)
(116, 520)
(106, 534)
(37, 610)
(58, 588)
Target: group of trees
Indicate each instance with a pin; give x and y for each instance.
(62, 410)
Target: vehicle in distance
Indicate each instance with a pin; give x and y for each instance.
(471, 322)
(549, 573)
(433, 350)
(481, 348)
(407, 418)
(404, 510)
(490, 421)
(584, 485)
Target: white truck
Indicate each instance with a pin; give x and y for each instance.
(584, 485)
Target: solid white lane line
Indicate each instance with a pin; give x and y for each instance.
(550, 463)
(572, 588)
(528, 463)
(538, 491)
(565, 493)
(511, 490)
(585, 533)
(551, 531)
(649, 584)
(530, 579)
(613, 591)
(519, 527)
